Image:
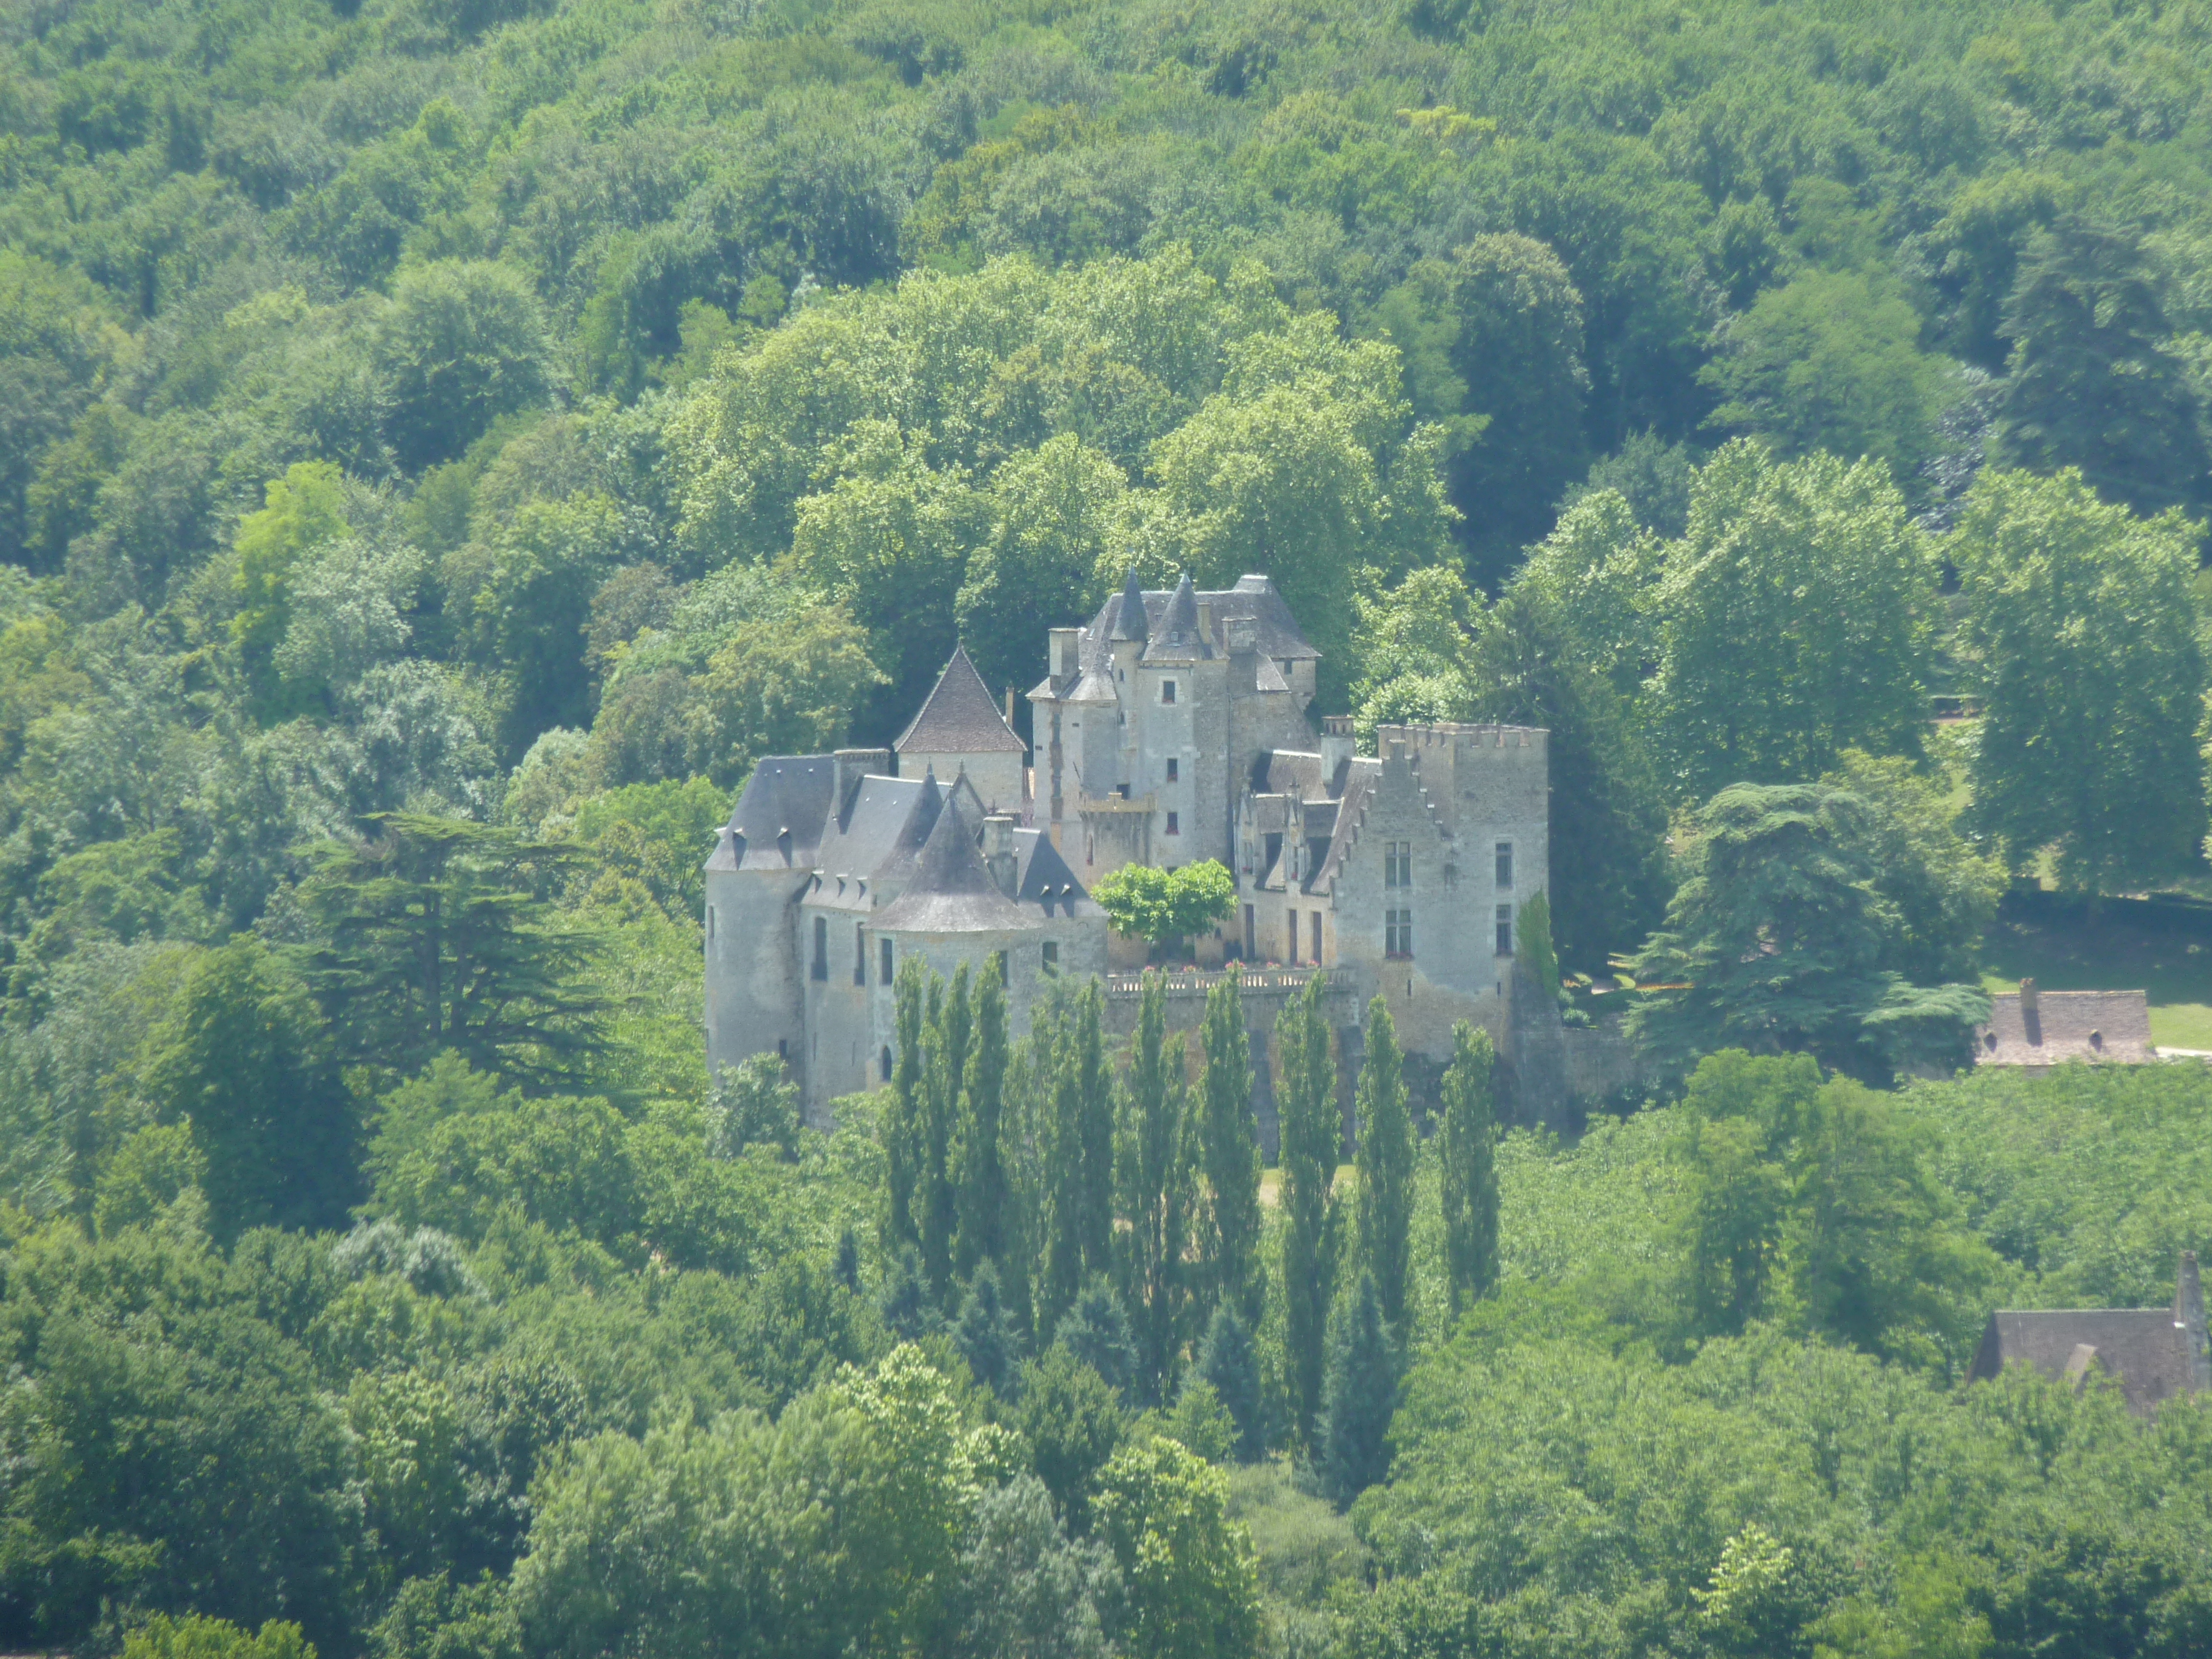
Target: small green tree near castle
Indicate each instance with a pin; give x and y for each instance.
(1158, 906)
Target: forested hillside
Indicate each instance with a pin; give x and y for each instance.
(444, 443)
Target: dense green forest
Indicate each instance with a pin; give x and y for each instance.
(443, 443)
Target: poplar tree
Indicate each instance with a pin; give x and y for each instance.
(1153, 1179)
(1312, 1131)
(1080, 1175)
(1228, 1153)
(1468, 1154)
(903, 1124)
(1386, 1165)
(946, 1046)
(982, 1193)
(1362, 1396)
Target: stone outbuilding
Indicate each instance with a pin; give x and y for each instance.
(2156, 1353)
(2037, 1030)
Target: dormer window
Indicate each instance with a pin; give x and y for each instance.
(1167, 690)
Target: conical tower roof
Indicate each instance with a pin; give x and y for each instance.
(1179, 636)
(950, 892)
(1129, 620)
(959, 717)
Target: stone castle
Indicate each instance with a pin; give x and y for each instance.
(1171, 729)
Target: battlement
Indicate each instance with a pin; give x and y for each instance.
(1461, 736)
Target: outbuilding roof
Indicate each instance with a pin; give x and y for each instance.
(2047, 1027)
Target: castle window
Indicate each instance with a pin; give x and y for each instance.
(883, 951)
(1174, 770)
(1397, 933)
(1315, 915)
(710, 924)
(1504, 930)
(1167, 690)
(1504, 864)
(1293, 919)
(885, 1060)
(1049, 957)
(1397, 864)
(1174, 824)
(1124, 789)
(860, 955)
(821, 947)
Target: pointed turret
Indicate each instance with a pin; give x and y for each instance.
(1181, 635)
(1129, 621)
(951, 891)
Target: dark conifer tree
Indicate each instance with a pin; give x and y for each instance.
(1359, 1397)
(1228, 1359)
(908, 1310)
(1096, 1330)
(988, 1337)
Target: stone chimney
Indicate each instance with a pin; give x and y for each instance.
(1241, 635)
(1066, 654)
(1336, 744)
(853, 765)
(2031, 1015)
(2189, 1323)
(999, 852)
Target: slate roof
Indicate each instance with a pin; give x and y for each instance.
(1276, 633)
(778, 821)
(886, 826)
(1044, 878)
(1177, 636)
(959, 717)
(1360, 778)
(2052, 1027)
(951, 891)
(2155, 1352)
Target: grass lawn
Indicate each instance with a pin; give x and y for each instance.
(2162, 950)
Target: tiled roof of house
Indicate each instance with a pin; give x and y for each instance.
(2048, 1028)
(959, 717)
(1134, 614)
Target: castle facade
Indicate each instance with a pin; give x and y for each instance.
(1173, 728)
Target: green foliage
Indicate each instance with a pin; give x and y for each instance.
(1385, 1160)
(242, 1057)
(2082, 636)
(462, 343)
(1831, 363)
(1781, 937)
(1228, 1363)
(1187, 1570)
(1466, 1156)
(1164, 907)
(196, 1637)
(1079, 1171)
(1311, 1133)
(1794, 619)
(1227, 1221)
(1358, 1396)
(1155, 1161)
(441, 935)
(1073, 1423)
(2095, 384)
